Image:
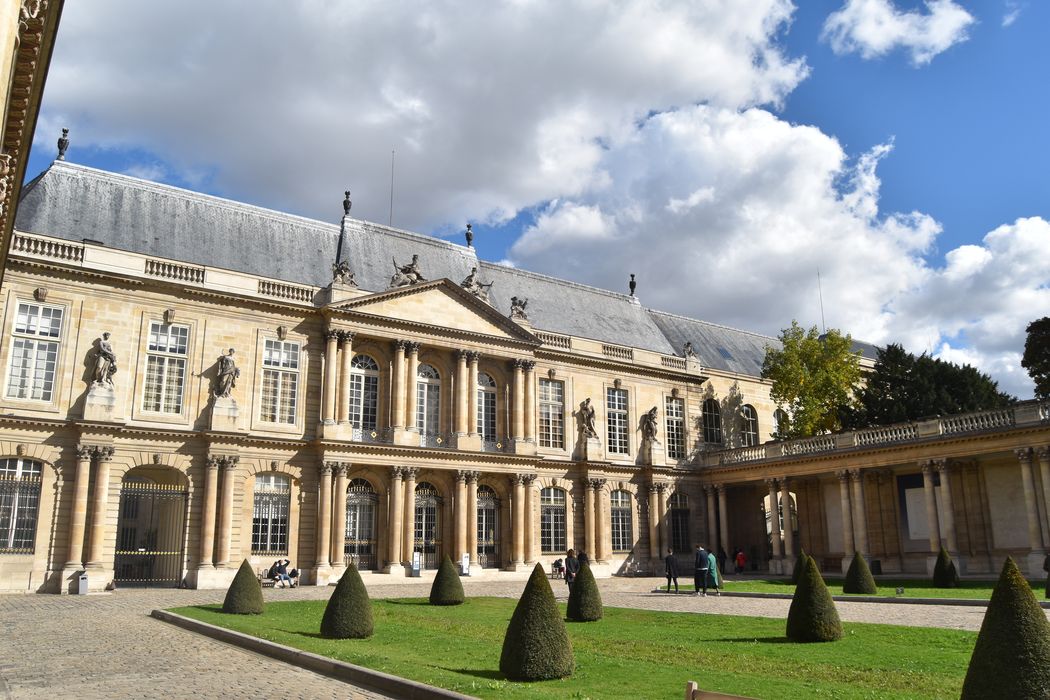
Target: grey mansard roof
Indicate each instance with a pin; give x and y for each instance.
(75, 202)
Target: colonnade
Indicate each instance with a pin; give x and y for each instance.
(217, 511)
(100, 456)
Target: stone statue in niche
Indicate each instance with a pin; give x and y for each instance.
(105, 363)
(226, 379)
(649, 425)
(342, 274)
(406, 275)
(585, 417)
(517, 309)
(687, 349)
(475, 286)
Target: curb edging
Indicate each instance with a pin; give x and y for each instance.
(965, 602)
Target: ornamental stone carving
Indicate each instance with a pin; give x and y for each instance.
(475, 286)
(648, 424)
(342, 274)
(226, 378)
(407, 275)
(585, 417)
(105, 365)
(517, 309)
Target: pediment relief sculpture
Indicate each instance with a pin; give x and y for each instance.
(405, 275)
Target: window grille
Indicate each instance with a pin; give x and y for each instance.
(31, 373)
(273, 494)
(679, 506)
(488, 527)
(620, 512)
(552, 521)
(19, 500)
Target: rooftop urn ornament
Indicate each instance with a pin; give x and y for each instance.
(346, 203)
(63, 144)
(517, 309)
(226, 379)
(470, 237)
(475, 286)
(632, 284)
(405, 275)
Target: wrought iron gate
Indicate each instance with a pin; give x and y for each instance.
(150, 535)
(427, 532)
(488, 528)
(359, 543)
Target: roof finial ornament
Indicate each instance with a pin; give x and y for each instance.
(470, 237)
(346, 203)
(632, 284)
(63, 144)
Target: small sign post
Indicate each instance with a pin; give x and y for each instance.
(464, 565)
(417, 563)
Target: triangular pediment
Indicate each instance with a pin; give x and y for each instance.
(441, 304)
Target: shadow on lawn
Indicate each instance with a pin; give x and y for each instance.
(407, 601)
(753, 640)
(479, 673)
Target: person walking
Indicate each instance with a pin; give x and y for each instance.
(572, 567)
(741, 560)
(671, 569)
(700, 568)
(714, 578)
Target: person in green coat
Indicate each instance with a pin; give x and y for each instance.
(713, 578)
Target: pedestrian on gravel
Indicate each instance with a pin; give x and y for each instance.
(713, 578)
(701, 565)
(572, 567)
(671, 569)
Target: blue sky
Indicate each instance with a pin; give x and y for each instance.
(723, 151)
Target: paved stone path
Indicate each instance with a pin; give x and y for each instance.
(106, 646)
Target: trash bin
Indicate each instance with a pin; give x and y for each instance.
(876, 567)
(82, 585)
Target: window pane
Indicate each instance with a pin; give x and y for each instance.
(675, 413)
(552, 520)
(19, 500)
(552, 414)
(616, 420)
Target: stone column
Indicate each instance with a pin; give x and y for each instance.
(346, 354)
(324, 517)
(860, 513)
(462, 392)
(774, 524)
(211, 500)
(602, 538)
(398, 397)
(517, 505)
(943, 466)
(78, 516)
(472, 393)
(227, 464)
(518, 412)
(932, 524)
(655, 550)
(461, 516)
(530, 401)
(663, 493)
(1043, 453)
(1035, 535)
(847, 517)
(100, 503)
(723, 516)
(338, 555)
(330, 338)
(411, 378)
(712, 515)
(472, 517)
(408, 523)
(789, 533)
(588, 518)
(530, 518)
(395, 517)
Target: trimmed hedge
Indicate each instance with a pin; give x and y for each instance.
(797, 570)
(244, 596)
(536, 646)
(585, 601)
(858, 577)
(812, 616)
(348, 614)
(447, 588)
(1012, 656)
(944, 573)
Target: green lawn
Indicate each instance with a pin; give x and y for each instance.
(629, 654)
(913, 588)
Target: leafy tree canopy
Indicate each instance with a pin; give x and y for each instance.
(813, 377)
(1036, 357)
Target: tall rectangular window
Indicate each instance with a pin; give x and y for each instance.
(679, 506)
(270, 514)
(552, 520)
(34, 352)
(165, 367)
(280, 381)
(552, 413)
(19, 499)
(620, 519)
(674, 410)
(616, 420)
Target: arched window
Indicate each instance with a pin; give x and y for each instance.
(488, 527)
(487, 411)
(748, 425)
(19, 500)
(364, 393)
(428, 401)
(780, 420)
(679, 507)
(359, 544)
(620, 512)
(427, 529)
(273, 493)
(552, 521)
(712, 421)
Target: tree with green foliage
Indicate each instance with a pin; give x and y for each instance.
(348, 614)
(447, 588)
(536, 646)
(903, 387)
(585, 601)
(812, 616)
(244, 596)
(859, 578)
(1036, 358)
(796, 570)
(944, 573)
(1011, 658)
(813, 376)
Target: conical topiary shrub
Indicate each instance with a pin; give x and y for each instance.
(1012, 656)
(536, 647)
(348, 614)
(812, 616)
(858, 577)
(447, 588)
(797, 570)
(244, 597)
(585, 601)
(944, 573)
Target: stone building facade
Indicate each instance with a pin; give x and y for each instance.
(190, 382)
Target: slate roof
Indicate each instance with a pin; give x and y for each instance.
(75, 202)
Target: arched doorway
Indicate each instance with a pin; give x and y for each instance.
(427, 536)
(359, 545)
(488, 528)
(151, 528)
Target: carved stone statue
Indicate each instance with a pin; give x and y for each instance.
(687, 349)
(105, 363)
(649, 425)
(342, 274)
(475, 286)
(346, 203)
(470, 237)
(63, 144)
(585, 417)
(517, 309)
(405, 275)
(226, 379)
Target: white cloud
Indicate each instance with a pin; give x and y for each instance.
(147, 171)
(873, 28)
(1013, 11)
